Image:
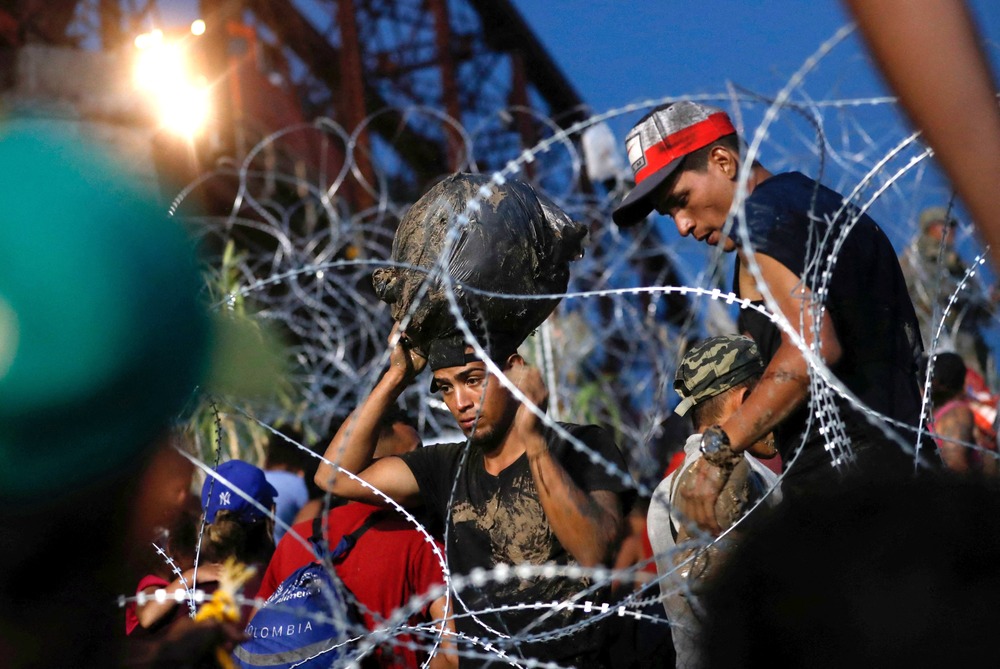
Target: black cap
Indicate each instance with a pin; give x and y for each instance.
(451, 351)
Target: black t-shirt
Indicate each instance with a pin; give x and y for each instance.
(788, 216)
(499, 520)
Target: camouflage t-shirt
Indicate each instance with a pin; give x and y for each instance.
(499, 520)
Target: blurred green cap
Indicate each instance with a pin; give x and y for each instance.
(103, 336)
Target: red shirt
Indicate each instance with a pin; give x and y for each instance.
(391, 563)
(148, 581)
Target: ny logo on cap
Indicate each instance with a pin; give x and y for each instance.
(225, 499)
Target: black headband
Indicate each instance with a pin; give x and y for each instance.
(450, 352)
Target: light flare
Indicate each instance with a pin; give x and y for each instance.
(162, 73)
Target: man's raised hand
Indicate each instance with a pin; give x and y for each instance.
(528, 379)
(403, 358)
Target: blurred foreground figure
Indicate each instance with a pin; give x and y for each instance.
(875, 574)
(931, 54)
(102, 341)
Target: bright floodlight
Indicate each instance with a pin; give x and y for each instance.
(185, 111)
(198, 27)
(161, 73)
(149, 40)
(158, 66)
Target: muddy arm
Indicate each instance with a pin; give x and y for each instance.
(784, 385)
(588, 525)
(353, 447)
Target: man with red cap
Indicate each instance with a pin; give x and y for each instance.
(834, 278)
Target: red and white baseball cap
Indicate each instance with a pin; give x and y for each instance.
(657, 144)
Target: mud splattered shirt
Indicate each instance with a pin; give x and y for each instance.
(492, 520)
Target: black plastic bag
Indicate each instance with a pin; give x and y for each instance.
(518, 243)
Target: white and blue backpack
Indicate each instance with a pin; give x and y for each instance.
(307, 622)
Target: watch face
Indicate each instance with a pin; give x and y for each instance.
(713, 440)
(715, 447)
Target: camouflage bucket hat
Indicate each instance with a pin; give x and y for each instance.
(713, 366)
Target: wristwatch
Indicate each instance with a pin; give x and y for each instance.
(715, 447)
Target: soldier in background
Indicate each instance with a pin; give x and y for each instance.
(934, 271)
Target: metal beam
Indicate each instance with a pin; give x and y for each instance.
(449, 84)
(324, 62)
(506, 30)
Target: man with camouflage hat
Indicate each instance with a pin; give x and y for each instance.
(713, 379)
(855, 314)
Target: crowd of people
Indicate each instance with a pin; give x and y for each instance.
(870, 541)
(856, 317)
(523, 490)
